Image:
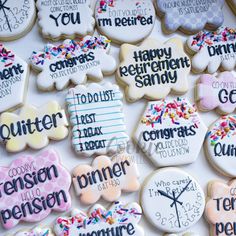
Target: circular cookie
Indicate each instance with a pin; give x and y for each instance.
(172, 200)
(220, 145)
(17, 18)
(125, 21)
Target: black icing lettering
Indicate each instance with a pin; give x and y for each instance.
(218, 50)
(66, 18)
(226, 96)
(7, 73)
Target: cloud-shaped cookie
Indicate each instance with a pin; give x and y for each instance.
(65, 19)
(109, 177)
(153, 69)
(220, 210)
(37, 231)
(39, 185)
(213, 50)
(33, 127)
(217, 92)
(73, 61)
(191, 16)
(119, 218)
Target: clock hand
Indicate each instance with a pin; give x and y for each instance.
(181, 193)
(3, 7)
(176, 209)
(168, 196)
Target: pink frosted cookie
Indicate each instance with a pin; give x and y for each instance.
(106, 178)
(118, 220)
(213, 50)
(38, 231)
(220, 208)
(32, 187)
(217, 92)
(73, 61)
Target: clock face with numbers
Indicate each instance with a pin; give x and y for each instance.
(16, 18)
(172, 200)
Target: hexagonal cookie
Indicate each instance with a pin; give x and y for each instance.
(170, 132)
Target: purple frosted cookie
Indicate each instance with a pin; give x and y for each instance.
(190, 16)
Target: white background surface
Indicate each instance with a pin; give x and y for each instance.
(201, 169)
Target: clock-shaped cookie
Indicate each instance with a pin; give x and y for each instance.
(16, 18)
(172, 200)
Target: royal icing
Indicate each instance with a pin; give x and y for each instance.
(125, 21)
(65, 19)
(13, 79)
(217, 92)
(191, 16)
(17, 18)
(73, 61)
(32, 187)
(33, 127)
(170, 132)
(35, 232)
(172, 200)
(153, 69)
(118, 220)
(185, 234)
(220, 145)
(106, 178)
(96, 116)
(220, 208)
(213, 50)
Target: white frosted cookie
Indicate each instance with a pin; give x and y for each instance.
(73, 61)
(220, 145)
(190, 16)
(17, 18)
(217, 92)
(92, 182)
(14, 73)
(33, 127)
(172, 200)
(37, 231)
(170, 132)
(213, 50)
(119, 219)
(153, 69)
(96, 116)
(65, 19)
(220, 207)
(125, 21)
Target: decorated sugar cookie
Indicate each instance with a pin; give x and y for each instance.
(106, 178)
(220, 145)
(153, 69)
(119, 219)
(35, 232)
(220, 208)
(33, 127)
(96, 116)
(65, 19)
(217, 92)
(125, 21)
(170, 132)
(191, 16)
(17, 18)
(172, 200)
(73, 61)
(213, 50)
(39, 185)
(13, 79)
(186, 234)
(232, 4)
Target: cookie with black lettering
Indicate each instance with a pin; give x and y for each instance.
(16, 18)
(191, 16)
(97, 119)
(65, 19)
(220, 145)
(170, 132)
(125, 21)
(14, 73)
(153, 69)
